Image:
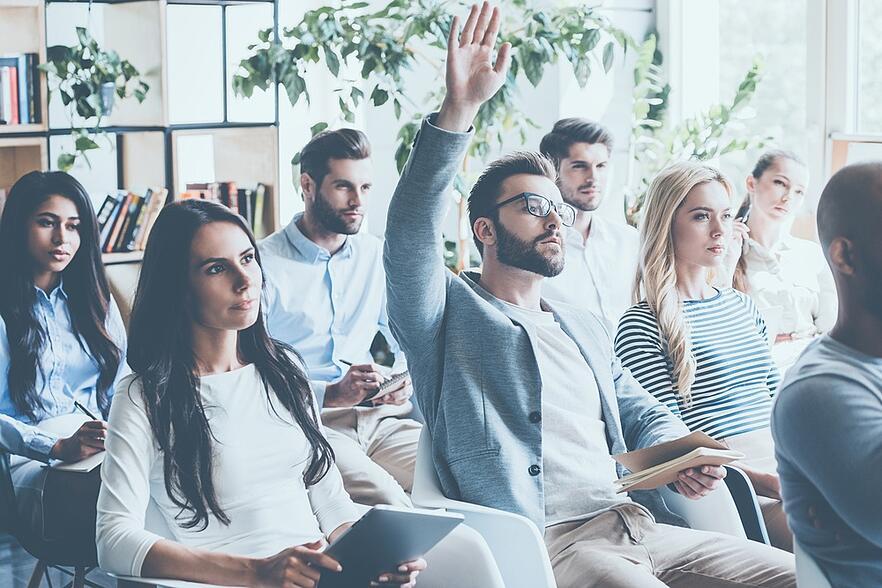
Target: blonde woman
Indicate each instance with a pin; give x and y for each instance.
(701, 350)
(787, 277)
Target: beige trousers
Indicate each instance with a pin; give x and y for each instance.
(625, 547)
(375, 450)
(759, 447)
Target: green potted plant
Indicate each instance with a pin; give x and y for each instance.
(709, 135)
(380, 42)
(89, 79)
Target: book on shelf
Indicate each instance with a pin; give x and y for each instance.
(19, 89)
(652, 467)
(247, 202)
(125, 219)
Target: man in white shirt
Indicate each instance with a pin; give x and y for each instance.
(602, 256)
(326, 297)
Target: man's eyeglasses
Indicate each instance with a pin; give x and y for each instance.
(541, 206)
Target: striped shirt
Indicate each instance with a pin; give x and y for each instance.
(735, 378)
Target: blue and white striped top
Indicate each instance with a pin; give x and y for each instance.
(735, 378)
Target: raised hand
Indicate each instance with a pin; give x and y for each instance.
(472, 76)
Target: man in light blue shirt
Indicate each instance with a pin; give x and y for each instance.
(827, 418)
(326, 297)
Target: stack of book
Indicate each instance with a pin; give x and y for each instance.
(19, 89)
(125, 219)
(248, 203)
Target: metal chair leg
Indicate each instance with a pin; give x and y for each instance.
(37, 575)
(79, 580)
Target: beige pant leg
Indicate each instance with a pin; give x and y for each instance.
(393, 445)
(364, 480)
(599, 552)
(685, 558)
(776, 523)
(461, 560)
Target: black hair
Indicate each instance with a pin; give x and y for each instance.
(85, 285)
(485, 191)
(161, 356)
(327, 145)
(569, 131)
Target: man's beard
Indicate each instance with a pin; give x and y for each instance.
(332, 219)
(574, 199)
(517, 253)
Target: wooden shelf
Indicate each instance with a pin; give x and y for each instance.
(21, 129)
(19, 156)
(125, 257)
(143, 134)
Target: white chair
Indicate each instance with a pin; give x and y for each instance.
(732, 509)
(808, 573)
(514, 540)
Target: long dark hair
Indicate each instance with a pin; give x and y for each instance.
(160, 353)
(84, 283)
(765, 161)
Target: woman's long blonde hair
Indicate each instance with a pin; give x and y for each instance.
(656, 273)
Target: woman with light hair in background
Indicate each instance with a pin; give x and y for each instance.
(787, 277)
(702, 350)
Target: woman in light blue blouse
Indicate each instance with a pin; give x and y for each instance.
(61, 340)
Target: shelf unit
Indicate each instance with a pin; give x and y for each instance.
(145, 137)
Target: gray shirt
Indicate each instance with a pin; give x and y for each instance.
(827, 425)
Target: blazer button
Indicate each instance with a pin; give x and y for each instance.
(534, 470)
(535, 416)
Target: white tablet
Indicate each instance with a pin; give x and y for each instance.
(381, 540)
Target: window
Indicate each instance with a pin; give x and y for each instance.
(776, 31)
(869, 74)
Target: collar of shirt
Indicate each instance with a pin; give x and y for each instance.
(307, 249)
(770, 253)
(57, 293)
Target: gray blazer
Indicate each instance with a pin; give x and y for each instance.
(474, 369)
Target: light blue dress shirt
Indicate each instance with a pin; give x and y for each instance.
(328, 307)
(68, 373)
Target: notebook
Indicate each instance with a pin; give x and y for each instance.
(660, 464)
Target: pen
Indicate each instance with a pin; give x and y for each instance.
(350, 364)
(85, 410)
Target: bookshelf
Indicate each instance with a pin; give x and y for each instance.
(168, 41)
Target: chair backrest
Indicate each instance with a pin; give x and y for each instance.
(808, 572)
(426, 487)
(749, 510)
(715, 512)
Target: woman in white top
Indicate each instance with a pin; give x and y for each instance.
(216, 431)
(787, 277)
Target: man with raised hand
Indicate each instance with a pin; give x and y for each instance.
(827, 418)
(525, 403)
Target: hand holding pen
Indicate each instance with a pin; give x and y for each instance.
(87, 440)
